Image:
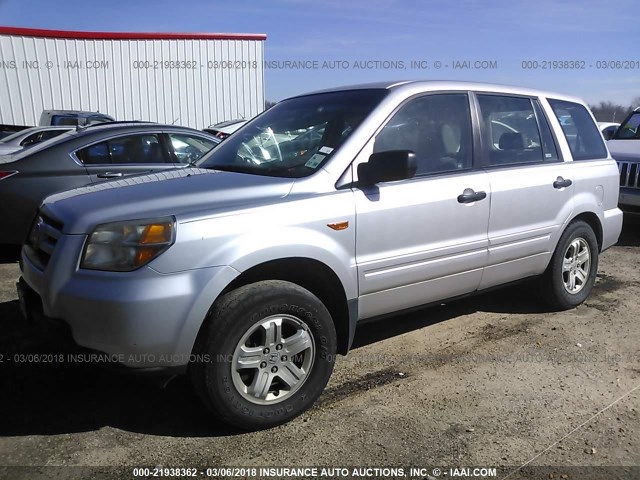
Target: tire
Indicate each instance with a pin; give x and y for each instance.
(265, 355)
(577, 243)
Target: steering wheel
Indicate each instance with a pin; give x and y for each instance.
(275, 142)
(251, 159)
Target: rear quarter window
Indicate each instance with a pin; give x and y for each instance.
(581, 132)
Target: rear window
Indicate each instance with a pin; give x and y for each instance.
(581, 132)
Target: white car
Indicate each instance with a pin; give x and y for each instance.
(223, 129)
(608, 129)
(29, 136)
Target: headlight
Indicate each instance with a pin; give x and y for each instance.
(126, 246)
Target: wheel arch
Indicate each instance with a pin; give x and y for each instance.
(591, 219)
(313, 275)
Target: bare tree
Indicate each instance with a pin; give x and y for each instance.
(611, 112)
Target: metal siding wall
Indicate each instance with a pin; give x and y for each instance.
(195, 98)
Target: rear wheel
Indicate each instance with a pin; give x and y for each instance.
(265, 355)
(571, 273)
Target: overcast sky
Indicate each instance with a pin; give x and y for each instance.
(504, 32)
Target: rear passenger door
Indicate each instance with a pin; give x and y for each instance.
(531, 187)
(425, 238)
(123, 155)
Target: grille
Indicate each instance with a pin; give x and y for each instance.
(629, 172)
(43, 239)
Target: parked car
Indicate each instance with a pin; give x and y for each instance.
(251, 270)
(85, 156)
(29, 136)
(608, 129)
(625, 148)
(73, 117)
(223, 129)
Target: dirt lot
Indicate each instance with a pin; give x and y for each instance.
(494, 380)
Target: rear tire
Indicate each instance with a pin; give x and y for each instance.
(571, 274)
(268, 350)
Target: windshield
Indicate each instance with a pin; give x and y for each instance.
(295, 137)
(629, 129)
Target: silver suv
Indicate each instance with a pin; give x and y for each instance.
(251, 269)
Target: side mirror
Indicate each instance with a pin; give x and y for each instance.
(387, 167)
(608, 134)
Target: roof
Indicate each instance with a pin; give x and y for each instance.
(72, 34)
(443, 85)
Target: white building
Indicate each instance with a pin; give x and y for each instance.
(190, 79)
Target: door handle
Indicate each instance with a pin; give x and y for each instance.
(110, 175)
(561, 183)
(470, 196)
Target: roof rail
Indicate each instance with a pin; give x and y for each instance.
(116, 122)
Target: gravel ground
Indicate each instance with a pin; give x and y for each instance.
(491, 381)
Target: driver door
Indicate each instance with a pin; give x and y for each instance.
(420, 240)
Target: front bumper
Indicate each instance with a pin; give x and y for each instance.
(145, 319)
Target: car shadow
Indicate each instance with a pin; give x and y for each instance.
(9, 254)
(42, 396)
(630, 236)
(43, 393)
(519, 298)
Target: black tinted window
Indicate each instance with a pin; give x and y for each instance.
(64, 120)
(510, 130)
(123, 150)
(581, 132)
(31, 139)
(437, 128)
(47, 134)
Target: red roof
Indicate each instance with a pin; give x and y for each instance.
(38, 32)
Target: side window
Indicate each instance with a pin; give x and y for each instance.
(581, 132)
(189, 148)
(437, 128)
(130, 149)
(63, 120)
(510, 130)
(31, 139)
(47, 134)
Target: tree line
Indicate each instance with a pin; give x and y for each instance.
(612, 112)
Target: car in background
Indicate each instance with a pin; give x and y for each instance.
(85, 156)
(608, 129)
(73, 117)
(29, 136)
(223, 129)
(624, 147)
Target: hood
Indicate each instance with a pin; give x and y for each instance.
(625, 150)
(184, 192)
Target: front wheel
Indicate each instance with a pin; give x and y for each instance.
(267, 352)
(571, 273)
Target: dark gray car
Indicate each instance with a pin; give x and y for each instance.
(86, 156)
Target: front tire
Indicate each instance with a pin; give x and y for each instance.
(571, 274)
(265, 355)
